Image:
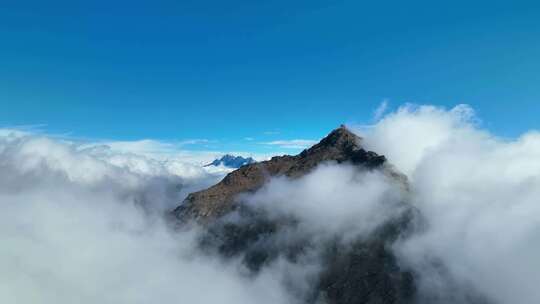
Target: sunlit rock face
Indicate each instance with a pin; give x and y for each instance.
(339, 146)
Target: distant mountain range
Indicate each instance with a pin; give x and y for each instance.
(231, 161)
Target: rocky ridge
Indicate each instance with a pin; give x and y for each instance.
(341, 145)
(363, 270)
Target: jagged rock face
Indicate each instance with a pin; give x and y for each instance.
(365, 271)
(340, 145)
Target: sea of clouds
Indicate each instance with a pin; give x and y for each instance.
(85, 223)
(479, 193)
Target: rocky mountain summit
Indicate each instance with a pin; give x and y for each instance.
(341, 145)
(364, 271)
(360, 270)
(231, 161)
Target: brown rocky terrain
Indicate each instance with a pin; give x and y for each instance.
(341, 145)
(363, 270)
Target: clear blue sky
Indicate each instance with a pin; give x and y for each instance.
(226, 70)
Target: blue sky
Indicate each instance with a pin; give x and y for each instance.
(238, 73)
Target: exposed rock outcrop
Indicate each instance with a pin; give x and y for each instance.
(341, 145)
(364, 269)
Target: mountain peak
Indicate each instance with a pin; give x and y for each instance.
(231, 161)
(340, 145)
(341, 139)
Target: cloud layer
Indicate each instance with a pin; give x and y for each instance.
(85, 226)
(480, 196)
(292, 144)
(84, 223)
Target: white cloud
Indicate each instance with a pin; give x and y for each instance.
(84, 226)
(13, 132)
(333, 200)
(160, 149)
(406, 135)
(81, 223)
(292, 144)
(381, 109)
(479, 194)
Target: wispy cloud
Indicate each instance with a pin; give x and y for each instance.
(109, 208)
(381, 109)
(195, 151)
(173, 150)
(292, 143)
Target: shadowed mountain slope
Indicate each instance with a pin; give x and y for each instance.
(364, 269)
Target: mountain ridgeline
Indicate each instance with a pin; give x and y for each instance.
(364, 270)
(340, 146)
(231, 161)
